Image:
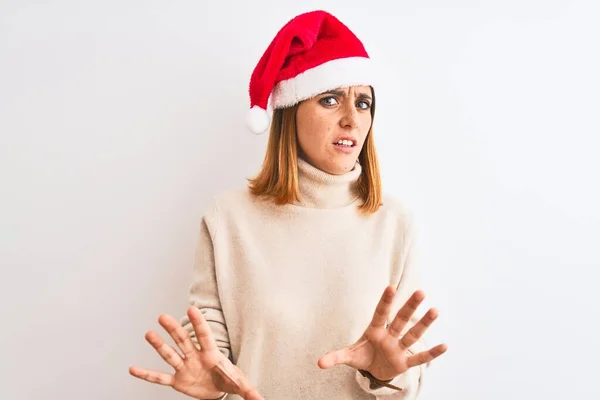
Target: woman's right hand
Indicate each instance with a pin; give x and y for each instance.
(203, 373)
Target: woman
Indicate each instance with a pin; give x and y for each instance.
(309, 268)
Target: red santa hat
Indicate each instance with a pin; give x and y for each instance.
(313, 53)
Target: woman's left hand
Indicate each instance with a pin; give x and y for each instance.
(380, 350)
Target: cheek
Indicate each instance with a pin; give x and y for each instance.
(365, 125)
(314, 133)
(366, 122)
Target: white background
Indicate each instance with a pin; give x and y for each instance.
(120, 120)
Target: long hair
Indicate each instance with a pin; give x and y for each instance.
(278, 177)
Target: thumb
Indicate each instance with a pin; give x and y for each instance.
(253, 395)
(247, 391)
(334, 358)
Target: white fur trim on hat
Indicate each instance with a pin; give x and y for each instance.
(342, 72)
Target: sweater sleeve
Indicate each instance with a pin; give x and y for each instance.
(410, 381)
(203, 290)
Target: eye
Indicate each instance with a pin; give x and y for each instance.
(328, 101)
(365, 105)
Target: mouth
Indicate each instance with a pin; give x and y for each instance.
(345, 142)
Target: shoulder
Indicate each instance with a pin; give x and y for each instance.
(396, 209)
(230, 204)
(228, 200)
(221, 205)
(399, 217)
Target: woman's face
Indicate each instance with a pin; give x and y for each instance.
(332, 128)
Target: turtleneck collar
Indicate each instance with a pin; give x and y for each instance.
(319, 189)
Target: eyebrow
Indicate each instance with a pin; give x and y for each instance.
(343, 94)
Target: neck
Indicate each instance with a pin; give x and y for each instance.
(319, 189)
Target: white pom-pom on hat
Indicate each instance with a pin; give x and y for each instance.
(258, 120)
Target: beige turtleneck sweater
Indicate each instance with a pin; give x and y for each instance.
(281, 285)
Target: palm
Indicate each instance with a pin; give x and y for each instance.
(380, 350)
(377, 352)
(195, 378)
(201, 373)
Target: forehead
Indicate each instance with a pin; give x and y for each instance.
(358, 89)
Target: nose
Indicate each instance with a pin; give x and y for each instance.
(349, 118)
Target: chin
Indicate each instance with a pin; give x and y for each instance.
(342, 167)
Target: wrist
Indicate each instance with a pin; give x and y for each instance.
(381, 378)
(376, 383)
(384, 380)
(218, 397)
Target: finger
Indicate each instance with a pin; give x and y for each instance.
(232, 377)
(179, 335)
(253, 395)
(334, 358)
(405, 312)
(347, 356)
(426, 356)
(202, 329)
(160, 378)
(382, 310)
(417, 331)
(167, 352)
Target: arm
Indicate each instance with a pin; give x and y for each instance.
(202, 368)
(410, 381)
(203, 290)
